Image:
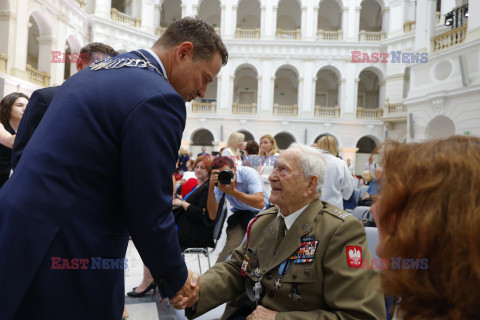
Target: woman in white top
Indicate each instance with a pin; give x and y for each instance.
(268, 154)
(340, 183)
(234, 145)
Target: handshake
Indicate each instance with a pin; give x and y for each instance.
(188, 295)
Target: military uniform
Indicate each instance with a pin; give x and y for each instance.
(316, 272)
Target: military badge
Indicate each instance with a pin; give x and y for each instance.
(354, 256)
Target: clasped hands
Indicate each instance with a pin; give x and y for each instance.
(188, 295)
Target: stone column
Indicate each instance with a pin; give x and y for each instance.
(302, 107)
(147, 14)
(263, 23)
(345, 25)
(303, 23)
(473, 31)
(425, 27)
(313, 93)
(103, 8)
(314, 20)
(223, 17)
(259, 93)
(356, 27)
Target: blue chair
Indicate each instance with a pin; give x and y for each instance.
(360, 213)
(363, 189)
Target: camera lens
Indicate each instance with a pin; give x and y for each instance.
(225, 176)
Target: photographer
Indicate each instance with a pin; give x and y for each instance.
(244, 189)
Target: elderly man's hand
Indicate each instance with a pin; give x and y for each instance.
(188, 295)
(261, 313)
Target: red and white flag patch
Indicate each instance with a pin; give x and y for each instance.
(354, 256)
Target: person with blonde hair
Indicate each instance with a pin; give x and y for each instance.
(234, 145)
(429, 228)
(340, 183)
(268, 155)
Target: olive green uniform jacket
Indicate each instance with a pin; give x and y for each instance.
(327, 288)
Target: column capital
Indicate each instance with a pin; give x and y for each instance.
(259, 77)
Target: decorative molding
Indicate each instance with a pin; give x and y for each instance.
(439, 105)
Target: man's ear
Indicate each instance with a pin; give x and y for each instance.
(79, 64)
(312, 185)
(183, 51)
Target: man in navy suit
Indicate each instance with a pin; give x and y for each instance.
(97, 169)
(41, 98)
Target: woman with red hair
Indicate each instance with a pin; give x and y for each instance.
(428, 217)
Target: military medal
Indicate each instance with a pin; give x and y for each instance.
(306, 252)
(294, 294)
(282, 270)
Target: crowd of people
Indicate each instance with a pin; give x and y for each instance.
(100, 169)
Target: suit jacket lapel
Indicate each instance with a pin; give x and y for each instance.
(301, 227)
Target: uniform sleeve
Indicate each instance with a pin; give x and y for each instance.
(221, 283)
(350, 293)
(36, 108)
(151, 137)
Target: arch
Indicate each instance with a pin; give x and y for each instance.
(371, 16)
(286, 87)
(245, 85)
(289, 15)
(329, 15)
(5, 5)
(243, 63)
(75, 43)
(248, 135)
(284, 139)
(369, 90)
(375, 139)
(43, 22)
(440, 127)
(366, 145)
(337, 139)
(248, 14)
(170, 11)
(202, 137)
(290, 66)
(332, 66)
(380, 74)
(339, 2)
(209, 10)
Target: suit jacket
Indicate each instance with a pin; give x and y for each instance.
(36, 108)
(98, 168)
(327, 288)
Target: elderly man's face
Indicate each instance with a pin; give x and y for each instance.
(287, 181)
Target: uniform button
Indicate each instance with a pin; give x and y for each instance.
(271, 294)
(269, 276)
(307, 272)
(294, 276)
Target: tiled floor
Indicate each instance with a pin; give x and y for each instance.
(150, 307)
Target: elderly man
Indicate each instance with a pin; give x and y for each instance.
(301, 260)
(98, 169)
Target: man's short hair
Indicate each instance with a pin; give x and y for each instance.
(222, 161)
(87, 51)
(201, 34)
(312, 163)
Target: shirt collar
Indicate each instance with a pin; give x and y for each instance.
(158, 60)
(290, 219)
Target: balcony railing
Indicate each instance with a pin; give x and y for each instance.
(289, 34)
(326, 112)
(330, 35)
(397, 110)
(449, 39)
(124, 18)
(289, 111)
(204, 107)
(240, 108)
(3, 62)
(247, 33)
(81, 3)
(409, 26)
(371, 36)
(365, 113)
(160, 31)
(38, 77)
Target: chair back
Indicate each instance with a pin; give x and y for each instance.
(372, 240)
(356, 195)
(363, 189)
(358, 213)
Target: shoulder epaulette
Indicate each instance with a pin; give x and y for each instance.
(272, 210)
(335, 211)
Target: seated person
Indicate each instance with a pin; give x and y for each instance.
(246, 194)
(195, 222)
(429, 231)
(373, 188)
(301, 260)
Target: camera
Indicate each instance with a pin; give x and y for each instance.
(225, 176)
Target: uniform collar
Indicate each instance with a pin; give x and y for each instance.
(290, 219)
(156, 59)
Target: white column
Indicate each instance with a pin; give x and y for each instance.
(272, 92)
(349, 108)
(148, 14)
(267, 88)
(45, 45)
(397, 15)
(300, 95)
(381, 93)
(259, 93)
(232, 22)
(356, 27)
(345, 25)
(313, 92)
(314, 29)
(303, 23)
(341, 95)
(385, 20)
(263, 23)
(231, 85)
(473, 31)
(156, 17)
(223, 19)
(425, 27)
(448, 5)
(271, 23)
(103, 8)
